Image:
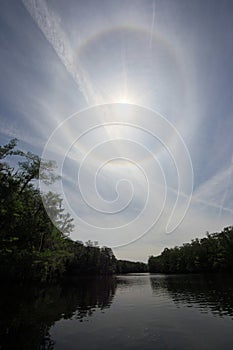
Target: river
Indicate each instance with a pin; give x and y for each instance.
(136, 311)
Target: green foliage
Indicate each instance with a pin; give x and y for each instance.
(91, 259)
(32, 247)
(212, 253)
(125, 266)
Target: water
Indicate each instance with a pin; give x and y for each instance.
(138, 311)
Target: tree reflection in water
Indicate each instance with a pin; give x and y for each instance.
(27, 313)
(207, 292)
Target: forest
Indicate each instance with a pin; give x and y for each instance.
(32, 247)
(213, 253)
(125, 266)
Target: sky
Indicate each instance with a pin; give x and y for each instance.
(133, 101)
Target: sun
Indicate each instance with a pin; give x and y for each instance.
(124, 97)
(125, 100)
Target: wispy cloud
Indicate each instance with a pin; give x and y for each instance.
(12, 130)
(217, 190)
(152, 25)
(49, 24)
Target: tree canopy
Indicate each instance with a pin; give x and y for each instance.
(212, 253)
(32, 247)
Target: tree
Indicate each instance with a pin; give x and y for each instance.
(209, 254)
(30, 244)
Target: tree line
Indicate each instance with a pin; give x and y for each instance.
(213, 253)
(32, 247)
(125, 266)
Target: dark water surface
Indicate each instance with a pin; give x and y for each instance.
(138, 311)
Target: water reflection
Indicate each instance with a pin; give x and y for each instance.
(149, 311)
(207, 292)
(28, 313)
(132, 280)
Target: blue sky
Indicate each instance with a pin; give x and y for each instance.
(73, 75)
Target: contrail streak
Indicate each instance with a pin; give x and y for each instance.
(209, 193)
(52, 30)
(152, 25)
(230, 178)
